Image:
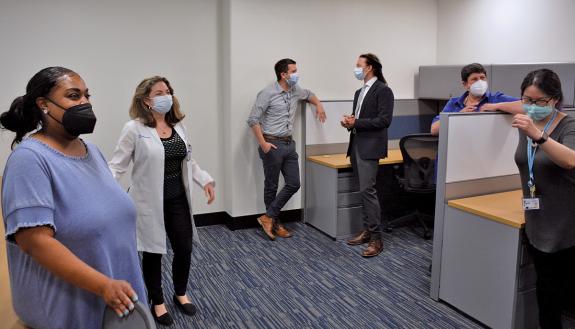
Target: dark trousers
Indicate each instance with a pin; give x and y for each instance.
(366, 172)
(178, 224)
(555, 279)
(282, 160)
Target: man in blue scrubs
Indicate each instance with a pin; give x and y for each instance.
(474, 80)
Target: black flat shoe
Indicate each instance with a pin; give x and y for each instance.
(164, 319)
(187, 309)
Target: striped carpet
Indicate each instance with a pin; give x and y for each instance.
(239, 279)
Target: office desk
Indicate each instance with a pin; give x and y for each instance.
(332, 198)
(486, 271)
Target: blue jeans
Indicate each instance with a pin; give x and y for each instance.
(282, 160)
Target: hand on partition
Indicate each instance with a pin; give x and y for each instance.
(489, 107)
(210, 192)
(525, 123)
(320, 114)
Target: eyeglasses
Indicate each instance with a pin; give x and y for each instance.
(539, 102)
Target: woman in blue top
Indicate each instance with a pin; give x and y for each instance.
(70, 228)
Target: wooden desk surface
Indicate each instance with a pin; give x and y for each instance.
(505, 207)
(339, 161)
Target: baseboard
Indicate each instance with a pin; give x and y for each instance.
(242, 222)
(213, 218)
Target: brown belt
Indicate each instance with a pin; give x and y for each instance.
(278, 138)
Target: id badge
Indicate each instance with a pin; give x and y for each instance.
(189, 152)
(531, 204)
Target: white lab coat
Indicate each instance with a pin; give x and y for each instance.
(142, 145)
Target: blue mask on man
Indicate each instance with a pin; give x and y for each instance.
(537, 112)
(358, 72)
(293, 79)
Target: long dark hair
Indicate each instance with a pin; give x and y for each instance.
(548, 82)
(372, 60)
(24, 114)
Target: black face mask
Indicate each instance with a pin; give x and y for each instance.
(78, 119)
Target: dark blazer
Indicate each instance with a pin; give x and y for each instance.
(370, 130)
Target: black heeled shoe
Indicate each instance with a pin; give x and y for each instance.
(188, 308)
(164, 319)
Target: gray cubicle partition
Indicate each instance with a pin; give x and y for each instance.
(477, 262)
(462, 181)
(442, 81)
(507, 78)
(410, 116)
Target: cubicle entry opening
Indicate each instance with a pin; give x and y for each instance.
(479, 263)
(331, 197)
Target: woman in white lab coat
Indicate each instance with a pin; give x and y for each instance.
(162, 177)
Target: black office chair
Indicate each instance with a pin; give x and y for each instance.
(419, 153)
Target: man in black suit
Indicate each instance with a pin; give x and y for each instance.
(372, 112)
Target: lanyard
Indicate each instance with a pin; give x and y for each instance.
(531, 150)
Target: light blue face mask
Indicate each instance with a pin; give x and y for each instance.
(163, 104)
(536, 112)
(358, 72)
(293, 79)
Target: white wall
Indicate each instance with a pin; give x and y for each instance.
(324, 37)
(218, 55)
(505, 31)
(114, 45)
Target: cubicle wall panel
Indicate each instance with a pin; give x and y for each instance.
(442, 81)
(406, 125)
(481, 145)
(478, 276)
(507, 78)
(410, 116)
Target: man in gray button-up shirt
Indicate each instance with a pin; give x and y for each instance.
(272, 119)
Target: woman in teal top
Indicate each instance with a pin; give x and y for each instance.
(71, 229)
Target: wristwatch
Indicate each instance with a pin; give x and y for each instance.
(543, 138)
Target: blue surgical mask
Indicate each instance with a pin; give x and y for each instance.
(358, 72)
(293, 79)
(163, 104)
(536, 112)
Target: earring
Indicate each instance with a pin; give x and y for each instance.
(45, 110)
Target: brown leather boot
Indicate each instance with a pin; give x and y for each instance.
(374, 248)
(267, 224)
(281, 231)
(361, 238)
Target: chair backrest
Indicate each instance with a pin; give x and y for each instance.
(139, 318)
(419, 153)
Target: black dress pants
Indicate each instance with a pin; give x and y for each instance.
(178, 224)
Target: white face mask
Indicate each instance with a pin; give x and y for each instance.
(478, 88)
(162, 104)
